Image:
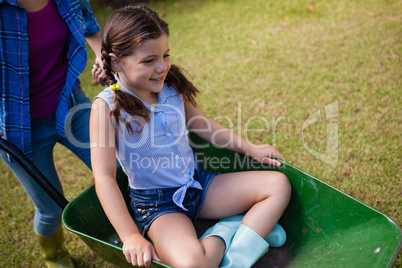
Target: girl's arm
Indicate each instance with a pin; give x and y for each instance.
(218, 135)
(136, 248)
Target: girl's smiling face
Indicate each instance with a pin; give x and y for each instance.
(144, 71)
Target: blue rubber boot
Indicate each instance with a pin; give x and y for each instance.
(246, 249)
(225, 229)
(277, 237)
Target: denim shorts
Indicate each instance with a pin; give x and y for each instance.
(150, 204)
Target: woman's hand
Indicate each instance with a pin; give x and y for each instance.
(139, 251)
(98, 73)
(265, 154)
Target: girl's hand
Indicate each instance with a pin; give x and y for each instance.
(265, 154)
(139, 251)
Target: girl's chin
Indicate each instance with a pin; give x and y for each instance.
(157, 89)
(157, 84)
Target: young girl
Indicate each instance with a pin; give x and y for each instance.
(142, 119)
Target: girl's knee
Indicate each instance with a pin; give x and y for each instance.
(280, 185)
(185, 262)
(189, 260)
(284, 183)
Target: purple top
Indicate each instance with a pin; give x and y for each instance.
(48, 64)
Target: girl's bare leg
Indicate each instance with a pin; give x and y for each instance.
(265, 194)
(177, 245)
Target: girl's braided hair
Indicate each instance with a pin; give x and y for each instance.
(126, 30)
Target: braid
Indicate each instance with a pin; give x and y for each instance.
(176, 79)
(107, 64)
(134, 107)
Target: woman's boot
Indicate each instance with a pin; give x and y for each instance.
(54, 251)
(247, 248)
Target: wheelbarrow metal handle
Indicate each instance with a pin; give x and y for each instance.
(34, 172)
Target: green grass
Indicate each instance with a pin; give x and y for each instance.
(281, 61)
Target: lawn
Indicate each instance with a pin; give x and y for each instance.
(264, 68)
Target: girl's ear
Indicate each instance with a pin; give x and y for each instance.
(115, 62)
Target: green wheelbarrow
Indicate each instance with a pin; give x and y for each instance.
(324, 226)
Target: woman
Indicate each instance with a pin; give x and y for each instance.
(42, 53)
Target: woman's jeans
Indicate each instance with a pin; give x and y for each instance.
(47, 217)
